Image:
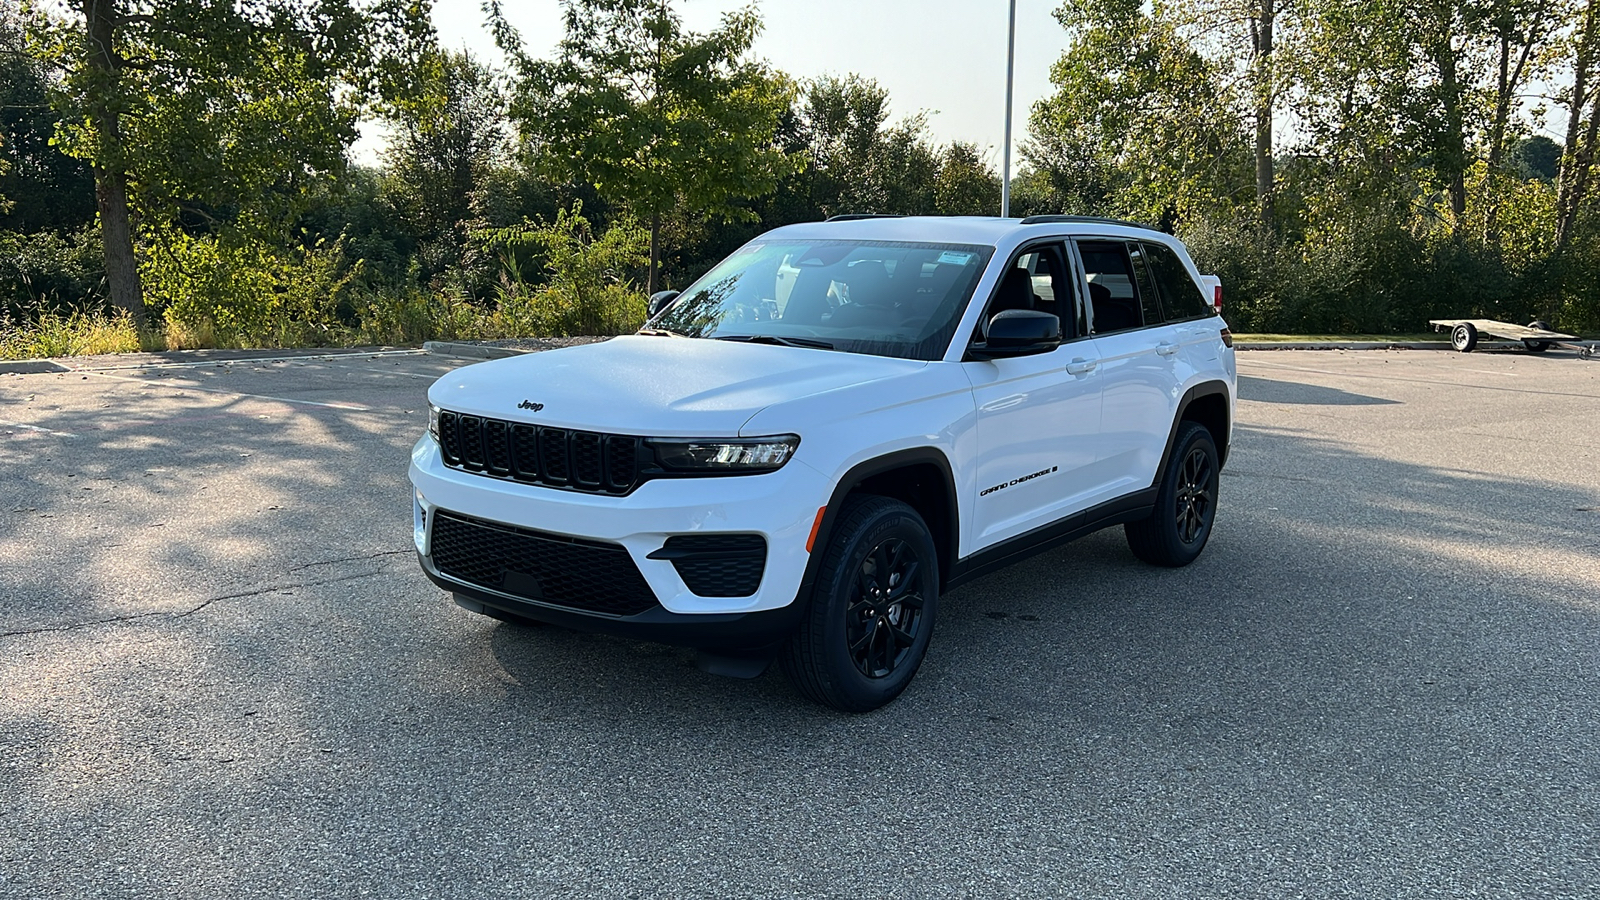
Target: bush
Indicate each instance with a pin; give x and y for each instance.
(588, 290)
(217, 292)
(73, 334)
(47, 272)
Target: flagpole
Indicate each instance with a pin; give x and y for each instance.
(1005, 175)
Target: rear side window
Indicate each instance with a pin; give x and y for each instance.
(1179, 294)
(1147, 289)
(1114, 295)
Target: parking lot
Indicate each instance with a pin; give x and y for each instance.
(222, 673)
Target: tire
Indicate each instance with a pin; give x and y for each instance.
(1536, 346)
(1464, 337)
(1186, 503)
(852, 652)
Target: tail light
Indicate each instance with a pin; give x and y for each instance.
(1216, 299)
(1227, 338)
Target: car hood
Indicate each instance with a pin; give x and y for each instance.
(659, 386)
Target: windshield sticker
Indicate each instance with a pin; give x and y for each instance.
(956, 259)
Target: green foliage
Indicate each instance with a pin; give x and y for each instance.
(588, 291)
(227, 112)
(652, 115)
(966, 184)
(77, 333)
(860, 163)
(247, 294)
(445, 144)
(46, 272)
(40, 188)
(1134, 127)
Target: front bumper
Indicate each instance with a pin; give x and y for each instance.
(717, 632)
(781, 506)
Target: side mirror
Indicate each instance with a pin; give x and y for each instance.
(661, 300)
(1019, 332)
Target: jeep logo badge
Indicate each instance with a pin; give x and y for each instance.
(529, 404)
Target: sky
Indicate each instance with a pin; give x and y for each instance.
(946, 58)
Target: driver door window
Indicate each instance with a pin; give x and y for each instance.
(1038, 279)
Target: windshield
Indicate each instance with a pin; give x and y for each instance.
(877, 297)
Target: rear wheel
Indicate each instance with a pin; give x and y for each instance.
(1186, 503)
(1464, 337)
(872, 608)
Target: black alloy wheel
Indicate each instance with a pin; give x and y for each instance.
(871, 609)
(1186, 502)
(1196, 497)
(883, 619)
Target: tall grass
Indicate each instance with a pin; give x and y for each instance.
(71, 334)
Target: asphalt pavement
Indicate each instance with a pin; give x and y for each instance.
(223, 675)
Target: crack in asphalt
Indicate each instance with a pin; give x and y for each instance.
(329, 562)
(116, 620)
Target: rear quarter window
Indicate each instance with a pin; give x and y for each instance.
(1180, 296)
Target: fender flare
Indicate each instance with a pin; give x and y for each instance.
(899, 459)
(1203, 389)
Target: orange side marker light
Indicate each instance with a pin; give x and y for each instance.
(816, 526)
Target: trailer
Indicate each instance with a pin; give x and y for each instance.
(1537, 337)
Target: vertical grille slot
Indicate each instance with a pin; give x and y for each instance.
(450, 438)
(586, 458)
(553, 455)
(472, 442)
(533, 454)
(525, 452)
(622, 462)
(497, 447)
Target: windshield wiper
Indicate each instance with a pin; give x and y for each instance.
(659, 332)
(775, 339)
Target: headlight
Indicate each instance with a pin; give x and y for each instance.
(763, 454)
(433, 421)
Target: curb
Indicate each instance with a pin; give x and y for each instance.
(503, 348)
(1342, 345)
(182, 358)
(469, 351)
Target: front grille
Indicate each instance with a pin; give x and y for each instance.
(555, 457)
(588, 575)
(717, 565)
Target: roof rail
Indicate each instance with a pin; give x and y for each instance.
(1092, 220)
(851, 217)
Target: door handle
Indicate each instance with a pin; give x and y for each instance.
(1166, 348)
(1081, 366)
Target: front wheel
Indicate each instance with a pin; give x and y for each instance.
(871, 608)
(1186, 503)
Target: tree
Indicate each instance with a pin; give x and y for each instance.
(225, 112)
(40, 189)
(653, 115)
(445, 143)
(1137, 125)
(1583, 125)
(859, 163)
(966, 184)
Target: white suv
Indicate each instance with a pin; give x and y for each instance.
(842, 421)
